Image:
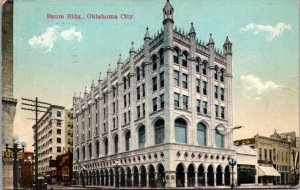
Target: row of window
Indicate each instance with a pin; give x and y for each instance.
(272, 156)
(159, 125)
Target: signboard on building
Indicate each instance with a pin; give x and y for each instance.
(10, 154)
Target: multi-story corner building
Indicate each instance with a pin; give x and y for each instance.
(69, 129)
(163, 117)
(274, 156)
(52, 130)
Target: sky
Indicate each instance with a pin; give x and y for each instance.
(54, 58)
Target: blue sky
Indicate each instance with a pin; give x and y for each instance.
(53, 58)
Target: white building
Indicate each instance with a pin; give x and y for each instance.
(51, 137)
(164, 115)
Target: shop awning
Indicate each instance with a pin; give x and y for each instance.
(267, 171)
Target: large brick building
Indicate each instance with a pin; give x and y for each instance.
(162, 118)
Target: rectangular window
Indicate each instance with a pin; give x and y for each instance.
(96, 118)
(154, 102)
(162, 101)
(185, 100)
(114, 123)
(114, 107)
(176, 78)
(144, 112)
(154, 84)
(176, 100)
(270, 154)
(125, 101)
(260, 154)
(58, 140)
(266, 154)
(129, 119)
(274, 154)
(138, 111)
(222, 93)
(104, 98)
(204, 107)
(198, 85)
(128, 99)
(125, 118)
(138, 93)
(58, 123)
(222, 112)
(162, 80)
(198, 106)
(104, 125)
(58, 149)
(204, 87)
(144, 92)
(58, 131)
(104, 113)
(217, 110)
(58, 113)
(204, 69)
(184, 81)
(216, 92)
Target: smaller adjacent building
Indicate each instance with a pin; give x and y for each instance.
(26, 173)
(274, 156)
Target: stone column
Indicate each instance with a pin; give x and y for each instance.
(147, 180)
(223, 178)
(185, 179)
(104, 180)
(108, 180)
(120, 178)
(215, 178)
(140, 179)
(132, 179)
(205, 179)
(196, 179)
(126, 179)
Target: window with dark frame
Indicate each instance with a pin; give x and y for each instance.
(198, 107)
(162, 80)
(138, 93)
(185, 81)
(176, 78)
(144, 91)
(154, 102)
(144, 111)
(185, 102)
(154, 84)
(162, 101)
(175, 56)
(204, 87)
(204, 107)
(176, 100)
(184, 60)
(198, 85)
(222, 93)
(216, 92)
(154, 63)
(138, 112)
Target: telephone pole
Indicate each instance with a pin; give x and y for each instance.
(37, 107)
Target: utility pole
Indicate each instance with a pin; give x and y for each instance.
(35, 106)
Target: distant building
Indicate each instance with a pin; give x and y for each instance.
(164, 115)
(69, 130)
(53, 131)
(274, 156)
(8, 101)
(26, 171)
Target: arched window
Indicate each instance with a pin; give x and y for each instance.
(138, 76)
(175, 56)
(198, 64)
(216, 73)
(222, 72)
(143, 70)
(180, 130)
(97, 148)
(184, 59)
(116, 142)
(105, 147)
(83, 153)
(219, 138)
(90, 151)
(204, 66)
(201, 134)
(142, 137)
(159, 128)
(124, 82)
(161, 57)
(77, 154)
(128, 78)
(154, 63)
(127, 141)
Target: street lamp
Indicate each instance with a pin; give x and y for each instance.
(15, 149)
(232, 163)
(116, 165)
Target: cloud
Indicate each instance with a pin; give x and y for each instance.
(71, 34)
(46, 41)
(272, 31)
(254, 86)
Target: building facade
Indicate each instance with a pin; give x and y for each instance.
(69, 130)
(8, 101)
(26, 173)
(162, 118)
(273, 152)
(52, 130)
